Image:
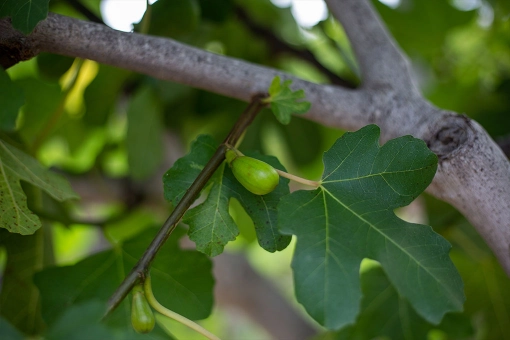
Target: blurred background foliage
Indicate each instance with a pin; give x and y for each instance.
(113, 133)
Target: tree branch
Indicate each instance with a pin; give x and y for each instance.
(473, 174)
(143, 264)
(381, 61)
(168, 60)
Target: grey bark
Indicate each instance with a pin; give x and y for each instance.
(473, 173)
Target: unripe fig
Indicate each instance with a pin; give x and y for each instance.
(142, 318)
(256, 176)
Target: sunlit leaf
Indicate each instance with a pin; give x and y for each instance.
(350, 217)
(211, 226)
(284, 102)
(15, 165)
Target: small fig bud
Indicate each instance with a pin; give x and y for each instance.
(142, 318)
(256, 176)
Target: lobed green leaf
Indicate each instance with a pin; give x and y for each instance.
(211, 226)
(350, 217)
(284, 102)
(15, 165)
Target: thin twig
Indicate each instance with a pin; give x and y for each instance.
(77, 5)
(379, 57)
(141, 268)
(279, 46)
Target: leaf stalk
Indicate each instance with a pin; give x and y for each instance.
(172, 315)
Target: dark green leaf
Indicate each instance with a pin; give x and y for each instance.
(350, 217)
(144, 138)
(53, 66)
(25, 14)
(174, 18)
(284, 101)
(384, 313)
(488, 297)
(42, 100)
(83, 322)
(106, 86)
(182, 280)
(211, 226)
(216, 10)
(12, 99)
(15, 165)
(19, 298)
(80, 322)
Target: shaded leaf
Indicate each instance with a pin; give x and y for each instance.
(83, 322)
(284, 102)
(216, 11)
(144, 138)
(106, 86)
(350, 217)
(211, 226)
(9, 332)
(42, 100)
(182, 280)
(385, 314)
(19, 299)
(25, 14)
(12, 99)
(53, 66)
(173, 18)
(15, 165)
(423, 26)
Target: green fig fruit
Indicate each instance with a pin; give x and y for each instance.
(142, 318)
(256, 176)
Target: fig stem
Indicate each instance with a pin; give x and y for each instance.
(172, 315)
(292, 177)
(298, 179)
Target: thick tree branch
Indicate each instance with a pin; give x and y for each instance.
(380, 59)
(473, 175)
(165, 59)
